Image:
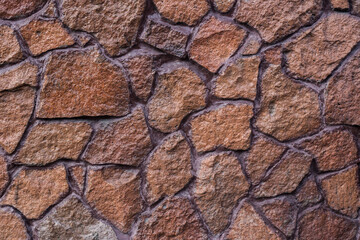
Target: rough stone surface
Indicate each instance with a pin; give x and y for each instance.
(252, 45)
(50, 11)
(355, 7)
(18, 8)
(11, 225)
(308, 194)
(340, 4)
(20, 75)
(4, 176)
(10, 51)
(273, 55)
(224, 5)
(77, 174)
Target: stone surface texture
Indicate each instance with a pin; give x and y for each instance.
(11, 225)
(20, 75)
(10, 51)
(19, 8)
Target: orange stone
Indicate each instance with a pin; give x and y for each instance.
(12, 226)
(18, 76)
(10, 51)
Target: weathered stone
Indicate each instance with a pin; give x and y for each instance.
(77, 174)
(355, 7)
(10, 51)
(227, 126)
(33, 190)
(50, 11)
(11, 225)
(178, 93)
(20, 75)
(273, 55)
(169, 169)
(288, 109)
(224, 5)
(19, 8)
(308, 193)
(274, 22)
(219, 184)
(340, 4)
(115, 194)
(238, 80)
(15, 111)
(182, 11)
(173, 219)
(215, 42)
(81, 83)
(252, 45)
(4, 176)
(83, 39)
(318, 51)
(114, 23)
(125, 141)
(42, 36)
(71, 220)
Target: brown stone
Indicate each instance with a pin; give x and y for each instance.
(215, 42)
(4, 176)
(318, 51)
(227, 126)
(83, 39)
(219, 184)
(277, 19)
(355, 7)
(32, 191)
(82, 83)
(238, 80)
(178, 93)
(288, 109)
(114, 23)
(42, 36)
(182, 11)
(20, 75)
(19, 8)
(252, 45)
(273, 55)
(175, 218)
(50, 10)
(125, 141)
(308, 194)
(169, 169)
(77, 174)
(48, 142)
(340, 4)
(10, 51)
(11, 225)
(224, 5)
(115, 194)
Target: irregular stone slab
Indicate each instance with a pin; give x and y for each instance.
(215, 42)
(224, 5)
(308, 193)
(178, 93)
(32, 191)
(333, 37)
(115, 24)
(274, 55)
(20, 75)
(219, 184)
(288, 109)
(77, 174)
(79, 83)
(4, 176)
(252, 45)
(124, 141)
(340, 4)
(11, 225)
(50, 11)
(227, 126)
(19, 8)
(10, 51)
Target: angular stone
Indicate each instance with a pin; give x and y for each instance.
(83, 39)
(10, 51)
(273, 55)
(175, 218)
(71, 220)
(308, 194)
(252, 45)
(238, 80)
(318, 51)
(4, 176)
(215, 42)
(32, 191)
(169, 169)
(114, 23)
(227, 126)
(42, 36)
(81, 83)
(288, 109)
(77, 174)
(19, 8)
(11, 225)
(178, 93)
(20, 75)
(340, 4)
(224, 5)
(125, 141)
(355, 7)
(274, 22)
(115, 194)
(50, 11)
(219, 184)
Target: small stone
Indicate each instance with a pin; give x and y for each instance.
(355, 7)
(178, 93)
(19, 8)
(77, 174)
(10, 51)
(224, 5)
(11, 225)
(50, 11)
(340, 4)
(32, 191)
(308, 193)
(238, 80)
(252, 45)
(125, 141)
(83, 39)
(273, 55)
(215, 42)
(219, 184)
(18, 76)
(227, 126)
(288, 109)
(4, 176)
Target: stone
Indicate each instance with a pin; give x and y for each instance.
(340, 4)
(355, 4)
(333, 150)
(115, 194)
(115, 24)
(288, 110)
(124, 141)
(83, 39)
(273, 22)
(238, 80)
(175, 218)
(71, 220)
(48, 142)
(182, 11)
(273, 55)
(42, 36)
(178, 93)
(4, 176)
(18, 76)
(169, 168)
(10, 9)
(32, 191)
(226, 126)
(16, 108)
(215, 42)
(77, 174)
(308, 194)
(315, 53)
(252, 45)
(224, 5)
(219, 184)
(11, 225)
(286, 176)
(10, 51)
(82, 83)
(51, 11)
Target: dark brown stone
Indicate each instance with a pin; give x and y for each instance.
(308, 193)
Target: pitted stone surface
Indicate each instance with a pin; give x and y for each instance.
(308, 193)
(10, 51)
(224, 5)
(11, 225)
(20, 75)
(19, 8)
(4, 176)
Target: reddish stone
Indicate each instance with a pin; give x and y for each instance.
(224, 5)
(4, 176)
(20, 75)
(308, 193)
(340, 4)
(273, 55)
(355, 7)
(10, 51)
(19, 8)
(12, 225)
(77, 174)
(252, 45)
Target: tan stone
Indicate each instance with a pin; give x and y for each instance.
(19, 8)
(215, 42)
(308, 194)
(224, 5)
(340, 4)
(4, 176)
(227, 126)
(288, 109)
(11, 225)
(252, 45)
(82, 83)
(10, 51)
(178, 93)
(77, 174)
(20, 75)
(219, 184)
(274, 55)
(50, 11)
